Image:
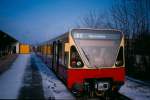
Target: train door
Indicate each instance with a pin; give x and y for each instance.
(54, 55)
(57, 56)
(63, 59)
(59, 62)
(49, 55)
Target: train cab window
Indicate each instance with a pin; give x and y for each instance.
(75, 60)
(119, 61)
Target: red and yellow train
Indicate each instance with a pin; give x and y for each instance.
(87, 60)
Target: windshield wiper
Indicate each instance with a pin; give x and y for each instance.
(86, 55)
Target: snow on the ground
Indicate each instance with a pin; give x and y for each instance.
(52, 86)
(11, 80)
(135, 90)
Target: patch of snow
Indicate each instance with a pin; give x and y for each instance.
(11, 80)
(52, 86)
(135, 90)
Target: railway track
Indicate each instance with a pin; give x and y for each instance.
(123, 97)
(138, 81)
(117, 97)
(135, 89)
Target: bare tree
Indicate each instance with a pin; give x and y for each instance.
(94, 19)
(131, 16)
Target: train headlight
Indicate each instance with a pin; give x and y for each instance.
(119, 63)
(79, 63)
(73, 63)
(76, 63)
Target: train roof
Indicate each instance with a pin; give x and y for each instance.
(6, 39)
(67, 34)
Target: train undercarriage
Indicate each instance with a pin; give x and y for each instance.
(105, 88)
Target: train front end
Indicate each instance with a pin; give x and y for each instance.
(97, 63)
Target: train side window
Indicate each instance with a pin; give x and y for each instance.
(75, 59)
(119, 61)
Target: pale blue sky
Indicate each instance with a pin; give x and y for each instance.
(33, 21)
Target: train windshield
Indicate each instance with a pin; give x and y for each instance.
(99, 49)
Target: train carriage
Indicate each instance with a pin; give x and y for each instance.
(88, 60)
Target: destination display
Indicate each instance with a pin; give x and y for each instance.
(96, 35)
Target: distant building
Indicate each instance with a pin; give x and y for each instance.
(9, 45)
(24, 48)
